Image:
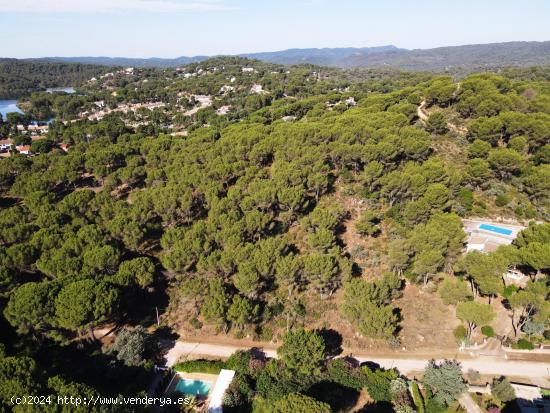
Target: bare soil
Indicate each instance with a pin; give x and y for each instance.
(427, 322)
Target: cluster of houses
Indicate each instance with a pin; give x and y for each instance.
(197, 72)
(124, 108)
(7, 147)
(210, 70)
(32, 129)
(125, 72)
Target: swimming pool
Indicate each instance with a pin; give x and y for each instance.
(498, 230)
(193, 387)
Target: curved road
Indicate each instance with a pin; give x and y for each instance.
(407, 366)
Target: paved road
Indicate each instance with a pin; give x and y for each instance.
(409, 366)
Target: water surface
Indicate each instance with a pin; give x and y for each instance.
(7, 106)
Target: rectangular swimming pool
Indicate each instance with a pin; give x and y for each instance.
(498, 230)
(193, 387)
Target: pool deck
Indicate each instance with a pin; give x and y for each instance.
(486, 240)
(225, 378)
(212, 378)
(220, 383)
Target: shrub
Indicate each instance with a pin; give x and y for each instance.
(473, 375)
(131, 346)
(502, 390)
(403, 408)
(239, 361)
(400, 392)
(453, 292)
(445, 380)
(338, 371)
(523, 344)
(432, 404)
(466, 198)
(502, 200)
(378, 383)
(488, 331)
(394, 342)
(509, 290)
(272, 382)
(238, 395)
(436, 123)
(195, 323)
(265, 334)
(200, 366)
(460, 333)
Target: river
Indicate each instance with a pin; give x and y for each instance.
(7, 106)
(10, 105)
(60, 89)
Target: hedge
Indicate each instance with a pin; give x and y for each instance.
(200, 366)
(523, 344)
(417, 398)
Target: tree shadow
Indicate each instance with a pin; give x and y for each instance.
(258, 353)
(86, 363)
(372, 365)
(333, 341)
(339, 397)
(351, 361)
(378, 407)
(513, 406)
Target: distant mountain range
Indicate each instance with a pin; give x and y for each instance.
(127, 61)
(453, 58)
(337, 57)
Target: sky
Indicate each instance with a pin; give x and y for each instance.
(171, 28)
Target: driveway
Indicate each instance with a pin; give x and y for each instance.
(469, 404)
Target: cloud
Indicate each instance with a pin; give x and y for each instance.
(102, 6)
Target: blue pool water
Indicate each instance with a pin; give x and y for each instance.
(193, 387)
(498, 230)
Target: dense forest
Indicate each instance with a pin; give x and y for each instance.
(20, 78)
(250, 200)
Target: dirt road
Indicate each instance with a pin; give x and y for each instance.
(421, 111)
(408, 366)
(423, 115)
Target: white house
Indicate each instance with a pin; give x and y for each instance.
(24, 149)
(5, 144)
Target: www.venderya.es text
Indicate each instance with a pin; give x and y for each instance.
(99, 400)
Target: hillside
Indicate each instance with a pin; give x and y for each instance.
(459, 58)
(322, 212)
(22, 77)
(456, 59)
